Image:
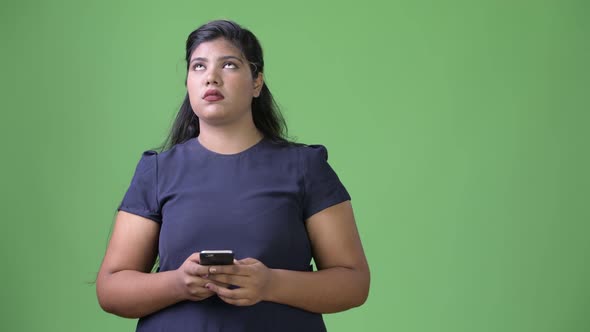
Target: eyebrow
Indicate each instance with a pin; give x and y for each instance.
(225, 57)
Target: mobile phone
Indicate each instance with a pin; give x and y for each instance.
(217, 257)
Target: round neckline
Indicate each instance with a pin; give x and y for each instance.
(223, 155)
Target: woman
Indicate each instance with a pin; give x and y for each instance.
(230, 180)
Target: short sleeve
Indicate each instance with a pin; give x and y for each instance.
(141, 197)
(322, 187)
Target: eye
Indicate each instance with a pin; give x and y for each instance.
(230, 65)
(198, 67)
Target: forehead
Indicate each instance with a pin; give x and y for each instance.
(216, 48)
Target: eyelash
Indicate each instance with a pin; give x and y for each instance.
(225, 64)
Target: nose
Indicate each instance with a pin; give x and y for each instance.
(213, 78)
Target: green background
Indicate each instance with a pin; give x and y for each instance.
(460, 128)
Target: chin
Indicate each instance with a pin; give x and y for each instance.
(214, 118)
(209, 112)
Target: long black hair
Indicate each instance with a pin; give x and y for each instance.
(265, 112)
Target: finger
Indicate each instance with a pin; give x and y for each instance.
(200, 293)
(230, 279)
(195, 257)
(227, 269)
(249, 261)
(195, 269)
(220, 284)
(238, 302)
(199, 270)
(235, 294)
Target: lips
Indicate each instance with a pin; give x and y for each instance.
(213, 95)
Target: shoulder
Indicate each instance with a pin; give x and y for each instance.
(312, 155)
(174, 153)
(152, 160)
(297, 147)
(303, 153)
(314, 151)
(147, 162)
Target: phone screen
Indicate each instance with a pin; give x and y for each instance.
(217, 257)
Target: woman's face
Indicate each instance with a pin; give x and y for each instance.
(220, 84)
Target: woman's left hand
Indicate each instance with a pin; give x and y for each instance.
(251, 277)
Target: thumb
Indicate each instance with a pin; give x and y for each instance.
(248, 261)
(195, 257)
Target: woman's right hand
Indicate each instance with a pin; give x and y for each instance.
(192, 278)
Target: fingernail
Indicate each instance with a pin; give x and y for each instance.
(212, 270)
(208, 286)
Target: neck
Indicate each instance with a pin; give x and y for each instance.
(228, 139)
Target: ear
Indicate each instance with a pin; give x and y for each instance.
(258, 83)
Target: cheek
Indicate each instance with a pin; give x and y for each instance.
(246, 87)
(192, 88)
(193, 94)
(190, 83)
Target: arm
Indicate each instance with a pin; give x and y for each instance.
(342, 281)
(126, 287)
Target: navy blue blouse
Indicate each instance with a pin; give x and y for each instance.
(254, 202)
